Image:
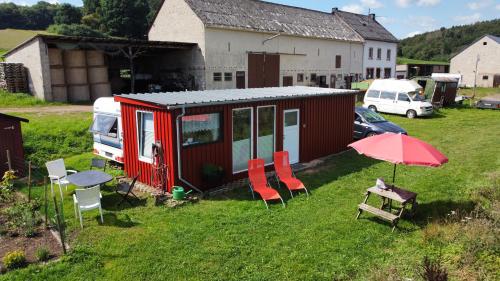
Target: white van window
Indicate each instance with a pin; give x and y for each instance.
(404, 97)
(372, 94)
(388, 95)
(105, 125)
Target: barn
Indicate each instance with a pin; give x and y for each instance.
(226, 128)
(11, 144)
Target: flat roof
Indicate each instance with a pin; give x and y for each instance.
(172, 100)
(6, 116)
(108, 41)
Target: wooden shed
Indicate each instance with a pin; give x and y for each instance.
(226, 128)
(11, 144)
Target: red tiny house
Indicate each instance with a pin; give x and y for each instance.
(324, 124)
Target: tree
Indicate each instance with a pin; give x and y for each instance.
(90, 6)
(125, 18)
(67, 14)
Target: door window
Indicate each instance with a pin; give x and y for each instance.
(242, 138)
(266, 133)
(403, 97)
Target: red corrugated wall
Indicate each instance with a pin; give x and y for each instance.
(326, 128)
(11, 139)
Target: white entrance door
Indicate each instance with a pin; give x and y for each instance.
(291, 134)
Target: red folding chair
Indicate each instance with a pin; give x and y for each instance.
(284, 173)
(258, 182)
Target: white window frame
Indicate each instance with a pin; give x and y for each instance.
(142, 158)
(274, 131)
(251, 136)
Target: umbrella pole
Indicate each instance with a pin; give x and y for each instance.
(394, 175)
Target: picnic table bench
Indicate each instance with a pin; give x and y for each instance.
(404, 197)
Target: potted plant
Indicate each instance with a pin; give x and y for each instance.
(212, 174)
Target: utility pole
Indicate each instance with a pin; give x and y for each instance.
(475, 77)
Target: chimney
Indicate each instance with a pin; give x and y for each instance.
(335, 10)
(372, 16)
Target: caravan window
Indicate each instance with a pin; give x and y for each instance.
(105, 125)
(201, 128)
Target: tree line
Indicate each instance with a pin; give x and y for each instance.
(98, 18)
(442, 44)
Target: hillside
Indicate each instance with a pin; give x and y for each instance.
(9, 38)
(442, 44)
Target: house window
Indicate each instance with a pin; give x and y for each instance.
(242, 149)
(228, 76)
(485, 43)
(388, 54)
(201, 128)
(377, 73)
(300, 77)
(370, 53)
(217, 76)
(387, 72)
(485, 77)
(338, 61)
(146, 134)
(379, 54)
(313, 77)
(266, 126)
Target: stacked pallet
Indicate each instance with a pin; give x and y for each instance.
(13, 78)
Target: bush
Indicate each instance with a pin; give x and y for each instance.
(23, 217)
(42, 254)
(433, 271)
(75, 30)
(15, 259)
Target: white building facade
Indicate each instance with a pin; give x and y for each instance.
(267, 45)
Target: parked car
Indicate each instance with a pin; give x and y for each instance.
(107, 129)
(403, 97)
(368, 123)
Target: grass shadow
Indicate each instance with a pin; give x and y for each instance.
(111, 219)
(439, 210)
(110, 202)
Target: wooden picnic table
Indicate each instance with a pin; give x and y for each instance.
(402, 196)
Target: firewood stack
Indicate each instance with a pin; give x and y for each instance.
(13, 78)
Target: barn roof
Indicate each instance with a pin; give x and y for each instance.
(173, 100)
(5, 116)
(368, 27)
(261, 16)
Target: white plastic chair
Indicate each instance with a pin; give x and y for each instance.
(86, 200)
(57, 175)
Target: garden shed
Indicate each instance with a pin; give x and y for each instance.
(220, 130)
(11, 144)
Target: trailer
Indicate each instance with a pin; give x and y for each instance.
(107, 129)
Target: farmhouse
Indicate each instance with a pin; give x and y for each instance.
(11, 144)
(226, 128)
(75, 69)
(259, 44)
(379, 46)
(479, 63)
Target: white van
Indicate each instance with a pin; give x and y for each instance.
(107, 129)
(402, 97)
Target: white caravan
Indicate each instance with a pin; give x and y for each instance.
(404, 97)
(107, 129)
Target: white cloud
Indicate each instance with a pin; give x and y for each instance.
(371, 4)
(411, 34)
(425, 23)
(477, 5)
(353, 8)
(386, 20)
(428, 2)
(403, 3)
(468, 18)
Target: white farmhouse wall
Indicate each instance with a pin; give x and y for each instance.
(227, 51)
(381, 63)
(464, 63)
(176, 22)
(34, 56)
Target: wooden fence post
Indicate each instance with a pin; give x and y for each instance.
(46, 202)
(60, 223)
(29, 181)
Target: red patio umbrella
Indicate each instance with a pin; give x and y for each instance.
(400, 149)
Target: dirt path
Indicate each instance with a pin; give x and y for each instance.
(48, 109)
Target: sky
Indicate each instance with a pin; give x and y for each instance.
(403, 18)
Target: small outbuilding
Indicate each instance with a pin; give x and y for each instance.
(216, 132)
(439, 90)
(11, 144)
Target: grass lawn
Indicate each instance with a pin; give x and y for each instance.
(21, 100)
(232, 237)
(2, 51)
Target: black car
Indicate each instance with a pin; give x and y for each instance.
(368, 123)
